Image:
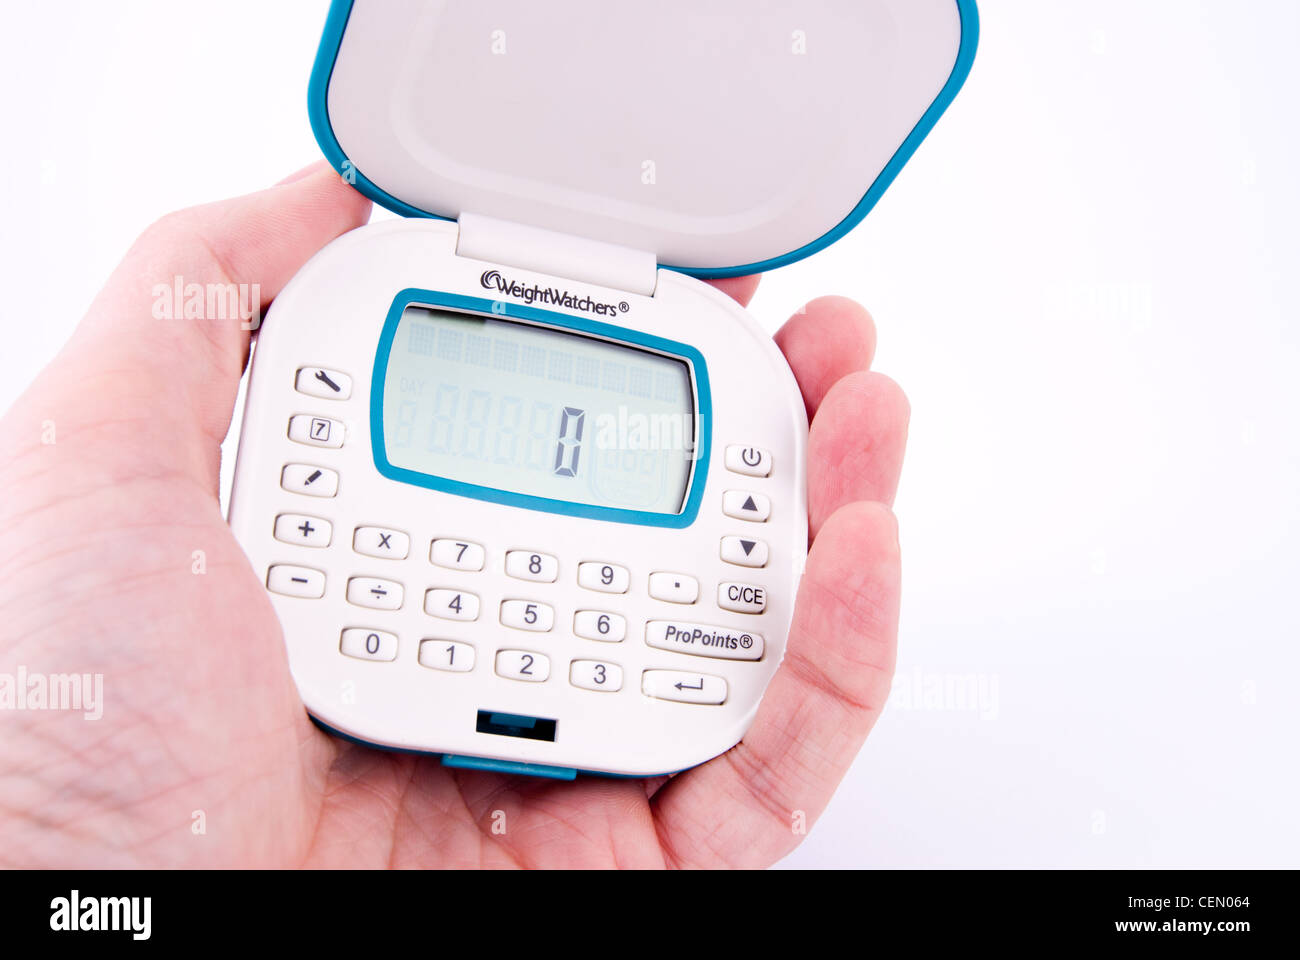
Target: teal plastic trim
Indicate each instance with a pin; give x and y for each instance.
(509, 766)
(318, 108)
(499, 310)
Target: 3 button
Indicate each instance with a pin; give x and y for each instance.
(595, 675)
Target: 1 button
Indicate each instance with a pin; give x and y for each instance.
(751, 461)
(317, 431)
(376, 594)
(594, 675)
(381, 542)
(674, 587)
(304, 531)
(522, 665)
(594, 625)
(451, 605)
(447, 655)
(368, 644)
(313, 481)
(605, 577)
(526, 565)
(527, 615)
(746, 506)
(700, 640)
(744, 553)
(329, 384)
(683, 687)
(742, 597)
(294, 581)
(456, 555)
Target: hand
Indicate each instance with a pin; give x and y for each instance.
(204, 754)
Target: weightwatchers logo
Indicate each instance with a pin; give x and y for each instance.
(551, 296)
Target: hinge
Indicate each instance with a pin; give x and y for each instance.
(557, 254)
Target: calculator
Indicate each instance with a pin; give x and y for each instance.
(524, 495)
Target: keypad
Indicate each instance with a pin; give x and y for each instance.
(600, 623)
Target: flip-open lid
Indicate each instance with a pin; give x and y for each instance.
(724, 137)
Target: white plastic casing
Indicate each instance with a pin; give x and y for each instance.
(330, 316)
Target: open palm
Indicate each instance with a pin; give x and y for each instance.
(115, 560)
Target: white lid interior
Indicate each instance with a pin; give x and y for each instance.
(548, 113)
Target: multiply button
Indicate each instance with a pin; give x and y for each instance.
(746, 506)
(304, 531)
(743, 552)
(674, 587)
(683, 687)
(329, 384)
(316, 431)
(381, 542)
(700, 640)
(742, 597)
(751, 461)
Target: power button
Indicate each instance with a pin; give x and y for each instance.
(751, 461)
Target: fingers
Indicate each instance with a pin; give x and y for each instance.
(740, 289)
(855, 445)
(745, 808)
(827, 340)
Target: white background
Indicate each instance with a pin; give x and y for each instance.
(1084, 280)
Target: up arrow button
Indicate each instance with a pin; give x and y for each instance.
(743, 505)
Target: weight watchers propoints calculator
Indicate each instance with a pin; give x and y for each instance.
(521, 495)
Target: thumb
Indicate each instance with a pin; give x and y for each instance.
(160, 353)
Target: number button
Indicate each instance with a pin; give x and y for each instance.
(317, 431)
(522, 665)
(447, 655)
(744, 553)
(329, 384)
(368, 644)
(456, 555)
(595, 625)
(674, 587)
(305, 531)
(605, 577)
(451, 605)
(527, 615)
(525, 565)
(751, 461)
(376, 594)
(295, 581)
(746, 506)
(381, 542)
(594, 675)
(683, 687)
(309, 480)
